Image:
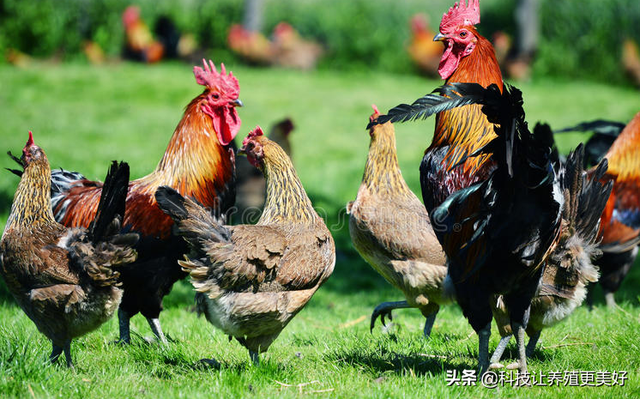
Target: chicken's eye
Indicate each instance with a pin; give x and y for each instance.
(463, 34)
(215, 96)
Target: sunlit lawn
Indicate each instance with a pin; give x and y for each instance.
(86, 116)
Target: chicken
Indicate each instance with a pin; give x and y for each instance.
(390, 228)
(569, 269)
(290, 50)
(250, 183)
(198, 162)
(252, 46)
(620, 228)
(523, 205)
(252, 279)
(139, 42)
(424, 52)
(65, 279)
(630, 60)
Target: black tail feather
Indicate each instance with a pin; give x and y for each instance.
(171, 203)
(112, 201)
(441, 99)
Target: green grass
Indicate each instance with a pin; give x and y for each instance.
(86, 116)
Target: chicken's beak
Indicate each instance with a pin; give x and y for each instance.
(237, 103)
(242, 151)
(439, 37)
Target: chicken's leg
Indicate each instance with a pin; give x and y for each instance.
(533, 340)
(157, 329)
(123, 323)
(428, 325)
(497, 354)
(255, 357)
(55, 353)
(483, 348)
(384, 310)
(610, 299)
(521, 365)
(67, 354)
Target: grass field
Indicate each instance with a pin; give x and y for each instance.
(86, 116)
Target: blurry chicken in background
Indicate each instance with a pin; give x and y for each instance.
(290, 50)
(631, 60)
(252, 46)
(502, 44)
(250, 182)
(424, 52)
(139, 42)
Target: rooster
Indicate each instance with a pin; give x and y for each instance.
(424, 52)
(620, 228)
(523, 205)
(251, 280)
(197, 162)
(65, 279)
(569, 269)
(468, 57)
(391, 230)
(139, 42)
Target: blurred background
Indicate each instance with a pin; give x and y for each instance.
(585, 39)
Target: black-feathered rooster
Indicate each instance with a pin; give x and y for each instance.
(499, 233)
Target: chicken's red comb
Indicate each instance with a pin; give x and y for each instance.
(253, 134)
(210, 77)
(375, 114)
(460, 14)
(30, 141)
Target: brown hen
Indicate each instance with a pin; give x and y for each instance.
(65, 279)
(391, 230)
(252, 279)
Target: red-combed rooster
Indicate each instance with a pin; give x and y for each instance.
(620, 226)
(197, 163)
(468, 57)
(499, 234)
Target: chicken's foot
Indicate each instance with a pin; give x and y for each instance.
(384, 310)
(157, 329)
(521, 365)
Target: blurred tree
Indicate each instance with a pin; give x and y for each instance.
(253, 15)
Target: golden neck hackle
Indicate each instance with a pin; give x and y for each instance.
(32, 202)
(287, 201)
(194, 156)
(382, 172)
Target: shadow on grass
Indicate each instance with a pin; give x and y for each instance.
(419, 364)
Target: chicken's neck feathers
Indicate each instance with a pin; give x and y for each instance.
(32, 201)
(287, 201)
(464, 130)
(193, 156)
(382, 172)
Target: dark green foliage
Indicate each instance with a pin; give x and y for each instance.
(580, 38)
